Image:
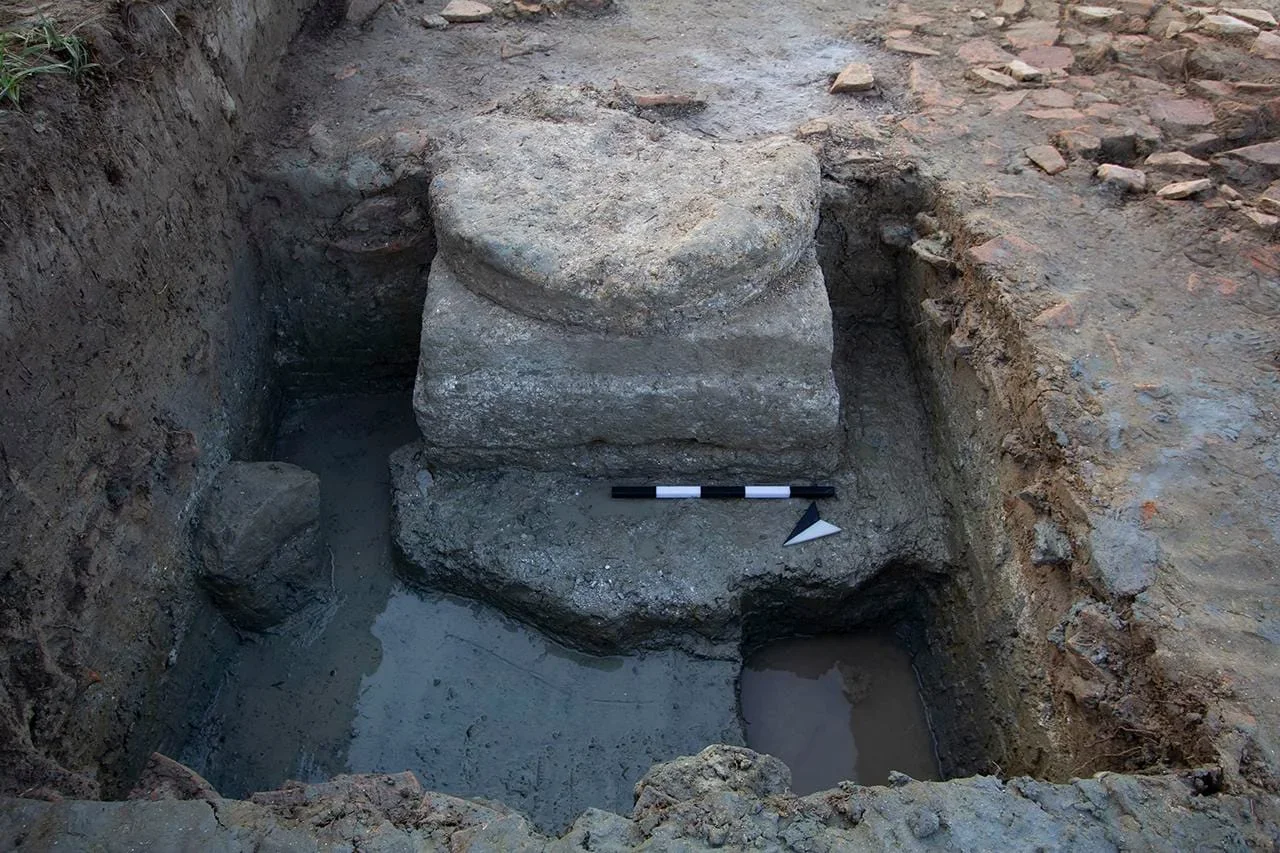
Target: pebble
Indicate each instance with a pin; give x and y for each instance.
(1184, 189)
(1266, 45)
(856, 77)
(1178, 162)
(1011, 8)
(911, 47)
(1131, 180)
(434, 22)
(1096, 14)
(1257, 17)
(1226, 26)
(1269, 201)
(466, 12)
(1047, 158)
(1024, 73)
(1078, 143)
(1264, 221)
(995, 78)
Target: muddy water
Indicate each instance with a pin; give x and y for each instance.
(382, 678)
(837, 708)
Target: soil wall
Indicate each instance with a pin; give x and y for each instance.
(134, 361)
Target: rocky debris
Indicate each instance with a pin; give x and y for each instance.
(1047, 158)
(1078, 143)
(466, 12)
(1024, 73)
(1184, 189)
(634, 299)
(1095, 14)
(1125, 557)
(1050, 547)
(166, 779)
(1226, 26)
(1130, 180)
(1266, 45)
(1177, 162)
(1257, 17)
(855, 77)
(671, 103)
(724, 797)
(1265, 221)
(995, 78)
(1181, 114)
(435, 22)
(909, 47)
(1252, 164)
(1269, 201)
(260, 543)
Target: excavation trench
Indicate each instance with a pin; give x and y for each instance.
(552, 715)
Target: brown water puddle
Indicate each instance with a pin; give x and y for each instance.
(838, 708)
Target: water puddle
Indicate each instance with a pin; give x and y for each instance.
(383, 678)
(838, 708)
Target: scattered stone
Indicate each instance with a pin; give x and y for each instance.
(1032, 33)
(1012, 8)
(910, 47)
(669, 101)
(1048, 57)
(1078, 143)
(1257, 17)
(1264, 221)
(1047, 158)
(1229, 192)
(1050, 546)
(1263, 158)
(1269, 201)
(982, 52)
(995, 78)
(1250, 87)
(466, 12)
(1056, 115)
(1096, 14)
(1177, 162)
(1211, 88)
(856, 77)
(1266, 45)
(1226, 26)
(259, 542)
(1180, 114)
(1174, 63)
(1006, 101)
(1024, 73)
(435, 22)
(1054, 99)
(1184, 189)
(977, 15)
(362, 11)
(1130, 180)
(1060, 316)
(1175, 29)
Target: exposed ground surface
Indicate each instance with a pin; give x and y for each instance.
(1107, 362)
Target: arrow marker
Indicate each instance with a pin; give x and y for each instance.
(810, 527)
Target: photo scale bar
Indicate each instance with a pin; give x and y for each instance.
(723, 492)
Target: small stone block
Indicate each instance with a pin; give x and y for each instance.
(1177, 162)
(856, 77)
(466, 12)
(1226, 26)
(1130, 180)
(1024, 73)
(995, 78)
(1047, 158)
(1184, 189)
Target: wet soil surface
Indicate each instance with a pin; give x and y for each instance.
(836, 708)
(383, 678)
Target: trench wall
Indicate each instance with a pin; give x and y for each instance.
(133, 363)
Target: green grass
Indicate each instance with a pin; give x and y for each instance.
(39, 49)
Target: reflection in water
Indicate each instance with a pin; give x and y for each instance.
(837, 708)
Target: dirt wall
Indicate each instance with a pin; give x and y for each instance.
(133, 362)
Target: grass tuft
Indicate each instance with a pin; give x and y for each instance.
(39, 49)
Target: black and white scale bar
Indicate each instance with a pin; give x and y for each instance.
(724, 492)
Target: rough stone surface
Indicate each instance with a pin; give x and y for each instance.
(1125, 556)
(1226, 26)
(724, 797)
(466, 12)
(260, 542)
(749, 393)
(1051, 545)
(1266, 45)
(611, 223)
(1131, 180)
(166, 779)
(855, 77)
(1184, 189)
(1177, 162)
(1047, 158)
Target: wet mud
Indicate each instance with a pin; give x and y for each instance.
(838, 708)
